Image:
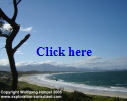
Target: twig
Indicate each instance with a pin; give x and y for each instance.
(18, 2)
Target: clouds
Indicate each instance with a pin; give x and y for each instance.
(7, 27)
(26, 29)
(25, 63)
(106, 63)
(90, 62)
(33, 63)
(19, 52)
(25, 43)
(4, 62)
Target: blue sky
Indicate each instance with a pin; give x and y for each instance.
(97, 25)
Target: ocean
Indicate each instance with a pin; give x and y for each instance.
(101, 82)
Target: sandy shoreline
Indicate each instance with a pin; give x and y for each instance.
(25, 79)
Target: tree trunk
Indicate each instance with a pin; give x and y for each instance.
(10, 51)
(13, 68)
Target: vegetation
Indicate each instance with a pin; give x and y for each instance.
(5, 84)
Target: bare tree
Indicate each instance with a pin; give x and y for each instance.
(9, 40)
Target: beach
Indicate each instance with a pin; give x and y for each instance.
(28, 80)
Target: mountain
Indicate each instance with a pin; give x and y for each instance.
(4, 68)
(48, 67)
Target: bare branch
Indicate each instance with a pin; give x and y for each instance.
(21, 42)
(15, 3)
(18, 2)
(15, 10)
(4, 35)
(5, 17)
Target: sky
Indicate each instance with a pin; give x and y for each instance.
(96, 25)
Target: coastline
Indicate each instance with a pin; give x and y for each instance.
(25, 79)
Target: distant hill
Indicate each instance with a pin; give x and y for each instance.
(49, 67)
(4, 68)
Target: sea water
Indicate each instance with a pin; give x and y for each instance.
(102, 81)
